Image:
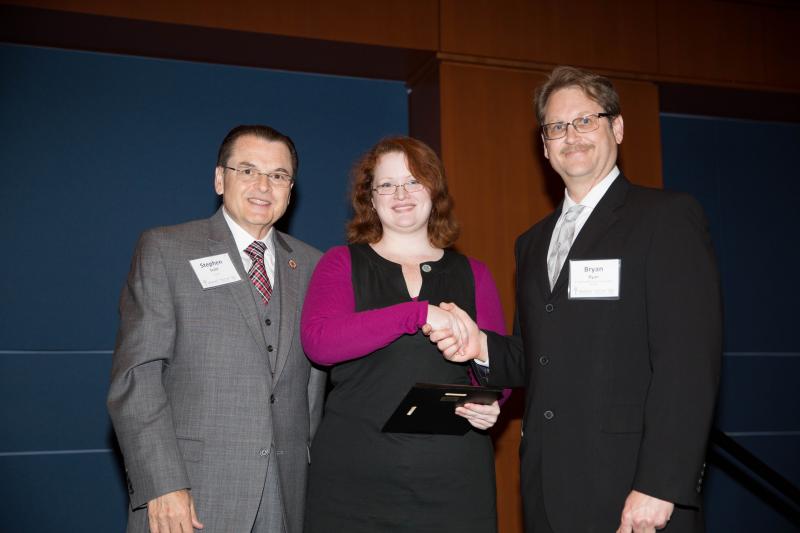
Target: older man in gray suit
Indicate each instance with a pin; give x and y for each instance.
(212, 398)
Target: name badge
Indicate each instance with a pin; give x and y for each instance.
(214, 270)
(594, 279)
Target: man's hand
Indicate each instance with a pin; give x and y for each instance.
(460, 349)
(173, 512)
(480, 416)
(644, 514)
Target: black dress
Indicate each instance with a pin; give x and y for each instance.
(362, 480)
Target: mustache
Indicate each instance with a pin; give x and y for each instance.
(576, 148)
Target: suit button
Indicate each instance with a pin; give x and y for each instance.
(549, 414)
(544, 360)
(269, 348)
(264, 452)
(549, 308)
(271, 398)
(268, 322)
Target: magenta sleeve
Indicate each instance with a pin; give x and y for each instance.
(331, 329)
(488, 308)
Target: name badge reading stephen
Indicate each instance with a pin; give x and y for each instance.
(594, 279)
(214, 270)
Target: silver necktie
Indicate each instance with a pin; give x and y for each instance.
(566, 234)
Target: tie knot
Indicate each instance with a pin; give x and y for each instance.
(256, 250)
(573, 212)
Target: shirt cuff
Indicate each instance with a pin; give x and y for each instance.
(481, 372)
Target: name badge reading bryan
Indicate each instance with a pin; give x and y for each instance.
(214, 270)
(594, 279)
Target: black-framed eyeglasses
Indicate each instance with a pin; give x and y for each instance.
(584, 124)
(278, 179)
(385, 189)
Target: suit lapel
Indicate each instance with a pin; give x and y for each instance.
(288, 291)
(220, 241)
(599, 222)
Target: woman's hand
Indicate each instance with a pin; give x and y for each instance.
(449, 325)
(478, 415)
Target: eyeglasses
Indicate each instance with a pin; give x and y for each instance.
(385, 189)
(584, 124)
(278, 179)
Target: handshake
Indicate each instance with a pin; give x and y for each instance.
(455, 333)
(459, 339)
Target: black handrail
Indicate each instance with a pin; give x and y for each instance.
(756, 476)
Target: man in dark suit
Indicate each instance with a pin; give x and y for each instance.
(212, 398)
(618, 334)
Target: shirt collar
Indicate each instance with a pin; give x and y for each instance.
(595, 194)
(244, 239)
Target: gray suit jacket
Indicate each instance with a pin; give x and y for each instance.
(193, 398)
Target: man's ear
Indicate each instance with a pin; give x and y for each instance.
(219, 180)
(618, 127)
(544, 144)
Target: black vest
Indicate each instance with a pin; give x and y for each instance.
(379, 283)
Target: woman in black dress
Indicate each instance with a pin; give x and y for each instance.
(365, 307)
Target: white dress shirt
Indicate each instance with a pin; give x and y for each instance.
(244, 239)
(589, 202)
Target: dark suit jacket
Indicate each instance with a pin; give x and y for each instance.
(193, 399)
(620, 393)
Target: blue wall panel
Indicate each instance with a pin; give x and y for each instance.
(759, 393)
(780, 452)
(83, 492)
(54, 401)
(95, 148)
(730, 508)
(744, 174)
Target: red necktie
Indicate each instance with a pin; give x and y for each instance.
(258, 272)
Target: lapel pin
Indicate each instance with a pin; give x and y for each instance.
(292, 264)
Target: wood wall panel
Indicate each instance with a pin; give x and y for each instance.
(401, 23)
(745, 44)
(711, 40)
(640, 151)
(780, 47)
(718, 42)
(424, 110)
(494, 161)
(603, 34)
(99, 33)
(495, 174)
